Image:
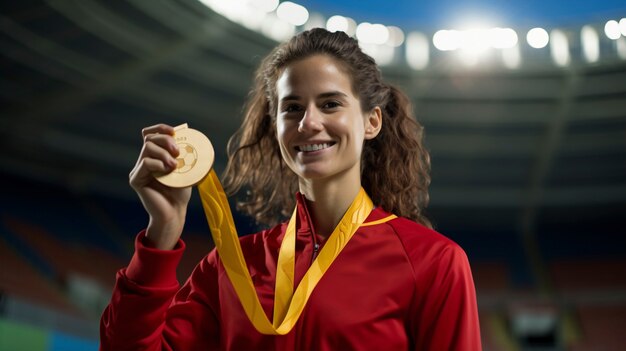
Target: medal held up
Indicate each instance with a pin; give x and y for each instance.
(194, 160)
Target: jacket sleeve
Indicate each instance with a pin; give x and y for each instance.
(148, 311)
(447, 315)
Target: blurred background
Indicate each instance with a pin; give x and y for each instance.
(524, 108)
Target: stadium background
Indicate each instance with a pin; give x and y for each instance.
(528, 149)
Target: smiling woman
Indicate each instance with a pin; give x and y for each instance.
(321, 128)
(357, 267)
(340, 80)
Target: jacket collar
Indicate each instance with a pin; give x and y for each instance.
(304, 222)
(304, 218)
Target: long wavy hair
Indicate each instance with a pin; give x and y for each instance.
(395, 166)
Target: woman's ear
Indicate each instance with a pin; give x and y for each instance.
(373, 123)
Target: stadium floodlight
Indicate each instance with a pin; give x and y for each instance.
(559, 48)
(341, 23)
(351, 27)
(622, 26)
(250, 14)
(229, 9)
(502, 38)
(396, 36)
(611, 29)
(417, 50)
(475, 40)
(590, 43)
(264, 5)
(372, 33)
(337, 23)
(252, 18)
(292, 13)
(537, 38)
(447, 40)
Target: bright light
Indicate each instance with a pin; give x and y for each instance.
(502, 38)
(351, 27)
(372, 33)
(590, 43)
(417, 54)
(622, 26)
(475, 40)
(337, 23)
(537, 38)
(229, 9)
(253, 19)
(292, 13)
(263, 5)
(611, 29)
(341, 23)
(250, 14)
(559, 47)
(511, 57)
(396, 36)
(447, 40)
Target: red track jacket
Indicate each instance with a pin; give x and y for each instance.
(395, 286)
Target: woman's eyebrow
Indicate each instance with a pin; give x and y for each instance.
(334, 93)
(290, 97)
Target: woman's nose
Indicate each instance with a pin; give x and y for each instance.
(311, 120)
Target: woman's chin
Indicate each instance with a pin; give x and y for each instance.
(313, 173)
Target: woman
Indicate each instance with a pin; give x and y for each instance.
(322, 122)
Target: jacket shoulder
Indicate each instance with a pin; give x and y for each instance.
(426, 248)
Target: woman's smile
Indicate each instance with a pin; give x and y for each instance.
(314, 147)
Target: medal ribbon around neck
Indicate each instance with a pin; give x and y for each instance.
(287, 305)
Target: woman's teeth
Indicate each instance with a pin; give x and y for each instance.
(313, 147)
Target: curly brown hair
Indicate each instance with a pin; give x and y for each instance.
(395, 166)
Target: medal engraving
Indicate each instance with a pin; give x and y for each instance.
(194, 161)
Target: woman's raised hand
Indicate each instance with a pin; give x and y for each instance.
(167, 207)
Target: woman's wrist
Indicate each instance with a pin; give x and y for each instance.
(164, 235)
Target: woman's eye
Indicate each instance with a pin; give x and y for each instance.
(331, 104)
(291, 108)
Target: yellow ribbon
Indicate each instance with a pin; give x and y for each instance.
(287, 305)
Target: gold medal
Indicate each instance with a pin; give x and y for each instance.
(194, 160)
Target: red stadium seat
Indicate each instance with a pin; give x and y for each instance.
(20, 279)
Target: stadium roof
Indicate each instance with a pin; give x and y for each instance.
(80, 78)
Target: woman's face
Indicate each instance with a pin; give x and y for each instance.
(320, 126)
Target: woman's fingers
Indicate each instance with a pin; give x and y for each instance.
(158, 129)
(164, 141)
(153, 151)
(158, 154)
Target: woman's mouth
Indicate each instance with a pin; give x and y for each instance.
(314, 147)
